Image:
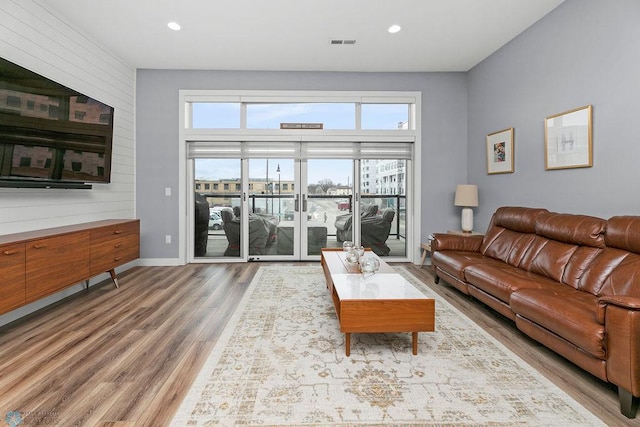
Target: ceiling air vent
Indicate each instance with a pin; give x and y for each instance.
(341, 42)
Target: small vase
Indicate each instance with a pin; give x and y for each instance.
(369, 264)
(352, 256)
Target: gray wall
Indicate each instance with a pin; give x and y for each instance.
(584, 52)
(444, 132)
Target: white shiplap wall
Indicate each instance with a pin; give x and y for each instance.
(33, 37)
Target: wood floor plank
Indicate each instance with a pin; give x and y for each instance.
(170, 395)
(126, 357)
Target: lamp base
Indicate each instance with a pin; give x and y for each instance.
(467, 220)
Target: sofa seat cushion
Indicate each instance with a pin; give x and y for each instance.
(500, 280)
(455, 262)
(565, 311)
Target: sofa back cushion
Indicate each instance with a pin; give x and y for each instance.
(573, 229)
(558, 246)
(510, 234)
(552, 258)
(518, 219)
(617, 270)
(623, 232)
(573, 243)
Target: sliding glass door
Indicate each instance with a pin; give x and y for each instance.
(383, 203)
(218, 203)
(273, 195)
(291, 208)
(329, 198)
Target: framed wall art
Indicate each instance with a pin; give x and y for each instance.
(500, 152)
(568, 140)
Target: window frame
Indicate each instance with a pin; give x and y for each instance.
(412, 134)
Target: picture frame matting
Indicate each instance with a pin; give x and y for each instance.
(500, 152)
(568, 139)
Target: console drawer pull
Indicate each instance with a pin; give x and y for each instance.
(10, 252)
(117, 258)
(118, 232)
(39, 246)
(117, 245)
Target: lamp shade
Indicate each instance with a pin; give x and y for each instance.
(466, 195)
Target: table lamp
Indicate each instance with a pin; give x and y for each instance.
(467, 197)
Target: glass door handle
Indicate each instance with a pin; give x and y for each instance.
(297, 203)
(304, 203)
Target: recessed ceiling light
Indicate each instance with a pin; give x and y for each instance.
(174, 26)
(394, 29)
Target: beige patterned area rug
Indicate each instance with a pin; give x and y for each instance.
(281, 361)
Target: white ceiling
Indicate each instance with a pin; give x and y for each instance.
(293, 35)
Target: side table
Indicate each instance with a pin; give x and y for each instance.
(464, 233)
(426, 248)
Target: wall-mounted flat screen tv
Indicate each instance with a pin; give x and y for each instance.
(51, 135)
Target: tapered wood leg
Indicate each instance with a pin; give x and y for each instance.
(424, 256)
(628, 403)
(414, 340)
(114, 278)
(347, 344)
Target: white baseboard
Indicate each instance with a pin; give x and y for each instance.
(159, 262)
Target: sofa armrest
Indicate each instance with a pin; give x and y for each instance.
(456, 242)
(621, 317)
(629, 303)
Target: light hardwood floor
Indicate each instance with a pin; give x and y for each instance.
(124, 357)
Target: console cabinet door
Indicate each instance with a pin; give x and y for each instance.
(55, 263)
(12, 277)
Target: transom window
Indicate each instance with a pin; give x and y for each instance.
(261, 113)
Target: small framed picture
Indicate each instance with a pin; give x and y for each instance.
(567, 140)
(500, 152)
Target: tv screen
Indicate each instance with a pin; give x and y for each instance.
(49, 133)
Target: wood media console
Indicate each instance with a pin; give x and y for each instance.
(373, 303)
(39, 263)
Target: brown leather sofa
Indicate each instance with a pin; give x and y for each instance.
(571, 282)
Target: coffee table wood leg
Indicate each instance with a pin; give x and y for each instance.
(414, 340)
(347, 344)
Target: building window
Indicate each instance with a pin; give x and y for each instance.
(13, 101)
(54, 111)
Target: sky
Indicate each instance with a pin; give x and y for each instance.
(207, 115)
